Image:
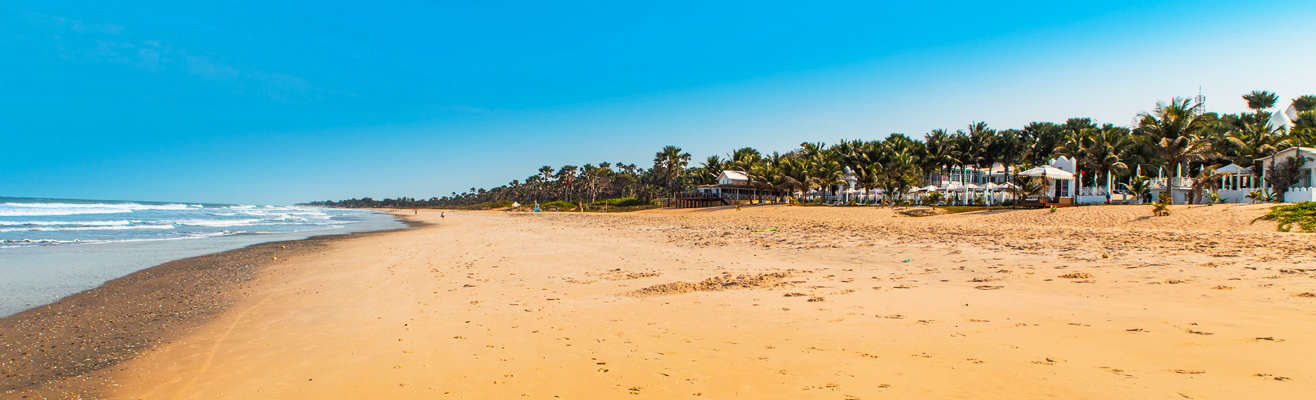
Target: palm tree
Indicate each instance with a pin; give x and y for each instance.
(545, 174)
(1045, 137)
(744, 159)
(901, 173)
(670, 163)
(1173, 133)
(981, 139)
(827, 174)
(1304, 129)
(1260, 100)
(1256, 139)
(941, 150)
(1139, 186)
(1206, 180)
(811, 165)
(1105, 153)
(1305, 103)
(1008, 148)
(712, 167)
(565, 176)
(1026, 186)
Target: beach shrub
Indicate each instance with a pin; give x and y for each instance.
(558, 205)
(1262, 195)
(933, 198)
(623, 202)
(1162, 206)
(1008, 203)
(1212, 198)
(964, 209)
(1302, 214)
(496, 204)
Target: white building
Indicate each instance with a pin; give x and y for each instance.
(1302, 189)
(733, 185)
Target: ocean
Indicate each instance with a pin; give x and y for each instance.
(52, 248)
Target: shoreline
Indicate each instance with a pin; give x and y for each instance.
(52, 348)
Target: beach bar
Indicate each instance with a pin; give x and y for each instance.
(732, 187)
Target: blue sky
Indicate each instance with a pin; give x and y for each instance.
(249, 102)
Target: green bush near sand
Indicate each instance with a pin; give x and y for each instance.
(558, 205)
(623, 202)
(964, 209)
(1303, 214)
(495, 204)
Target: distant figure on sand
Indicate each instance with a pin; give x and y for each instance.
(443, 215)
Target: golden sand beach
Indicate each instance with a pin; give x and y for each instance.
(768, 302)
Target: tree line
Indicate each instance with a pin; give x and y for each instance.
(1176, 136)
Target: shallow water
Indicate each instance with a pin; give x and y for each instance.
(54, 248)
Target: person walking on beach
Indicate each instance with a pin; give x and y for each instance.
(443, 215)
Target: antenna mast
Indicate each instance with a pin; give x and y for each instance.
(1201, 101)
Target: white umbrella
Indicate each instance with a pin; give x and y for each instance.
(1049, 172)
(929, 188)
(971, 186)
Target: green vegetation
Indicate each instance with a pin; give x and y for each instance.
(1162, 206)
(964, 209)
(624, 202)
(1177, 137)
(1303, 214)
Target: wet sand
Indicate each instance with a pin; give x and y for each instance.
(766, 302)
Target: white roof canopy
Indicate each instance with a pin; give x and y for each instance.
(1234, 169)
(734, 175)
(1049, 172)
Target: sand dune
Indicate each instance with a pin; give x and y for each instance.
(768, 302)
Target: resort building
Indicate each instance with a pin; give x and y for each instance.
(1301, 189)
(731, 186)
(1064, 186)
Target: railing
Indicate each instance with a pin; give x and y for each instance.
(724, 195)
(1177, 183)
(1093, 191)
(696, 196)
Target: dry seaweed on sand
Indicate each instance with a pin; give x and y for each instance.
(714, 284)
